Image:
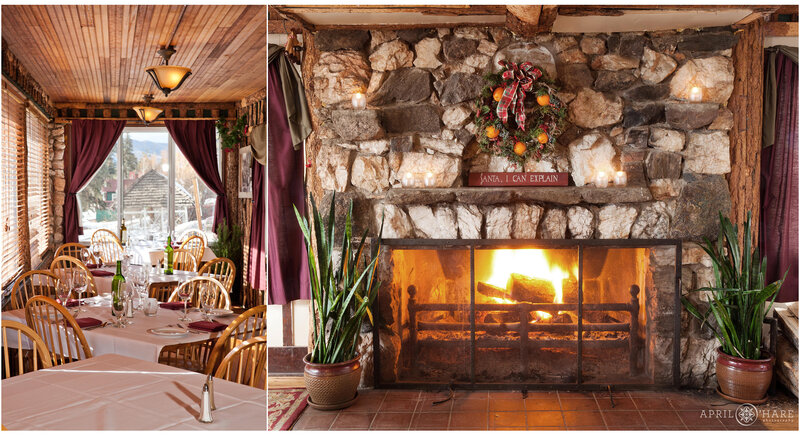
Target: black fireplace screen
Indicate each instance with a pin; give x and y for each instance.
(528, 313)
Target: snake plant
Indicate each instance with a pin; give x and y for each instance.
(738, 298)
(341, 294)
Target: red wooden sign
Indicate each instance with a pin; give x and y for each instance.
(518, 179)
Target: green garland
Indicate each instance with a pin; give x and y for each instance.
(548, 119)
(231, 136)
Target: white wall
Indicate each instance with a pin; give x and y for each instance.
(300, 321)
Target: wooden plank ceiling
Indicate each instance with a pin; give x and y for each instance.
(98, 53)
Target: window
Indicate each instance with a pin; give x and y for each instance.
(39, 211)
(12, 166)
(155, 190)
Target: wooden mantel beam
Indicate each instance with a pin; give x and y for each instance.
(528, 20)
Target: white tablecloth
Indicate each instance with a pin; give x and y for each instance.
(133, 340)
(104, 283)
(113, 392)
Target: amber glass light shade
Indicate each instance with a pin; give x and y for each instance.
(147, 114)
(168, 77)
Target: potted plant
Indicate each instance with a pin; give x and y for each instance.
(737, 307)
(233, 135)
(342, 291)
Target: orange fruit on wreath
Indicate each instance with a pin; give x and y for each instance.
(542, 138)
(498, 94)
(519, 148)
(492, 132)
(543, 100)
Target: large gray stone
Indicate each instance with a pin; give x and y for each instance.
(663, 189)
(708, 153)
(666, 139)
(588, 154)
(723, 121)
(404, 85)
(350, 124)
(592, 109)
(370, 173)
(626, 44)
(707, 41)
(332, 40)
(642, 114)
(691, 116)
(713, 75)
(663, 165)
(571, 56)
(593, 45)
(415, 118)
(333, 167)
(554, 224)
(646, 93)
(526, 220)
(526, 52)
(460, 87)
(698, 207)
(442, 145)
(437, 222)
(456, 116)
(446, 169)
(337, 74)
(412, 36)
(470, 221)
(614, 62)
(396, 223)
(575, 76)
(656, 66)
(456, 49)
(614, 222)
(428, 53)
(580, 222)
(652, 223)
(613, 80)
(391, 56)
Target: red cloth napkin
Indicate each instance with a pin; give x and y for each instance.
(174, 305)
(71, 302)
(101, 273)
(87, 322)
(207, 326)
(92, 265)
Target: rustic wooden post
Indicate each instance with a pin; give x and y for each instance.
(312, 143)
(633, 337)
(747, 104)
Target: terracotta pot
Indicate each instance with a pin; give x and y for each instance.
(745, 380)
(332, 385)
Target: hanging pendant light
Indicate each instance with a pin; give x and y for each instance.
(168, 77)
(146, 113)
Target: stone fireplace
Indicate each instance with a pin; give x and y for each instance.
(529, 313)
(628, 106)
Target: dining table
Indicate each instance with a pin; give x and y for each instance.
(103, 280)
(117, 392)
(136, 340)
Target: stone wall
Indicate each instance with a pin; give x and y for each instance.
(627, 97)
(57, 149)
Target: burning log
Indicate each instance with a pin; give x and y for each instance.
(562, 318)
(530, 289)
(569, 287)
(492, 291)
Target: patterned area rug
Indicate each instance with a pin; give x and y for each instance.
(285, 406)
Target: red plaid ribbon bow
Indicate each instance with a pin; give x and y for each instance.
(523, 76)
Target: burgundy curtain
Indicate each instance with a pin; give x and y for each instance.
(779, 184)
(288, 266)
(92, 141)
(257, 275)
(197, 141)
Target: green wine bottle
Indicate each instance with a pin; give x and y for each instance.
(168, 252)
(123, 234)
(117, 297)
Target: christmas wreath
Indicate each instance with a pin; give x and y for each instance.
(508, 124)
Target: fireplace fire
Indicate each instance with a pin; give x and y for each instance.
(526, 313)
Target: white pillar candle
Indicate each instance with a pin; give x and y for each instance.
(696, 94)
(620, 178)
(601, 179)
(359, 101)
(430, 180)
(408, 180)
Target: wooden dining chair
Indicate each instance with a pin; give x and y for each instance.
(161, 291)
(222, 300)
(17, 360)
(32, 283)
(58, 329)
(221, 269)
(184, 260)
(110, 247)
(75, 250)
(193, 232)
(196, 245)
(64, 266)
(249, 324)
(246, 363)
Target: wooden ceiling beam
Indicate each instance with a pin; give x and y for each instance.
(286, 13)
(531, 19)
(617, 10)
(454, 10)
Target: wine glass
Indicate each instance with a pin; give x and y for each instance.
(79, 284)
(184, 293)
(208, 299)
(63, 292)
(86, 255)
(96, 251)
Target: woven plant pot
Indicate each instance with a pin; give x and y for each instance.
(744, 380)
(332, 386)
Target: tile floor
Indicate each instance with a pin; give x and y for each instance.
(482, 410)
